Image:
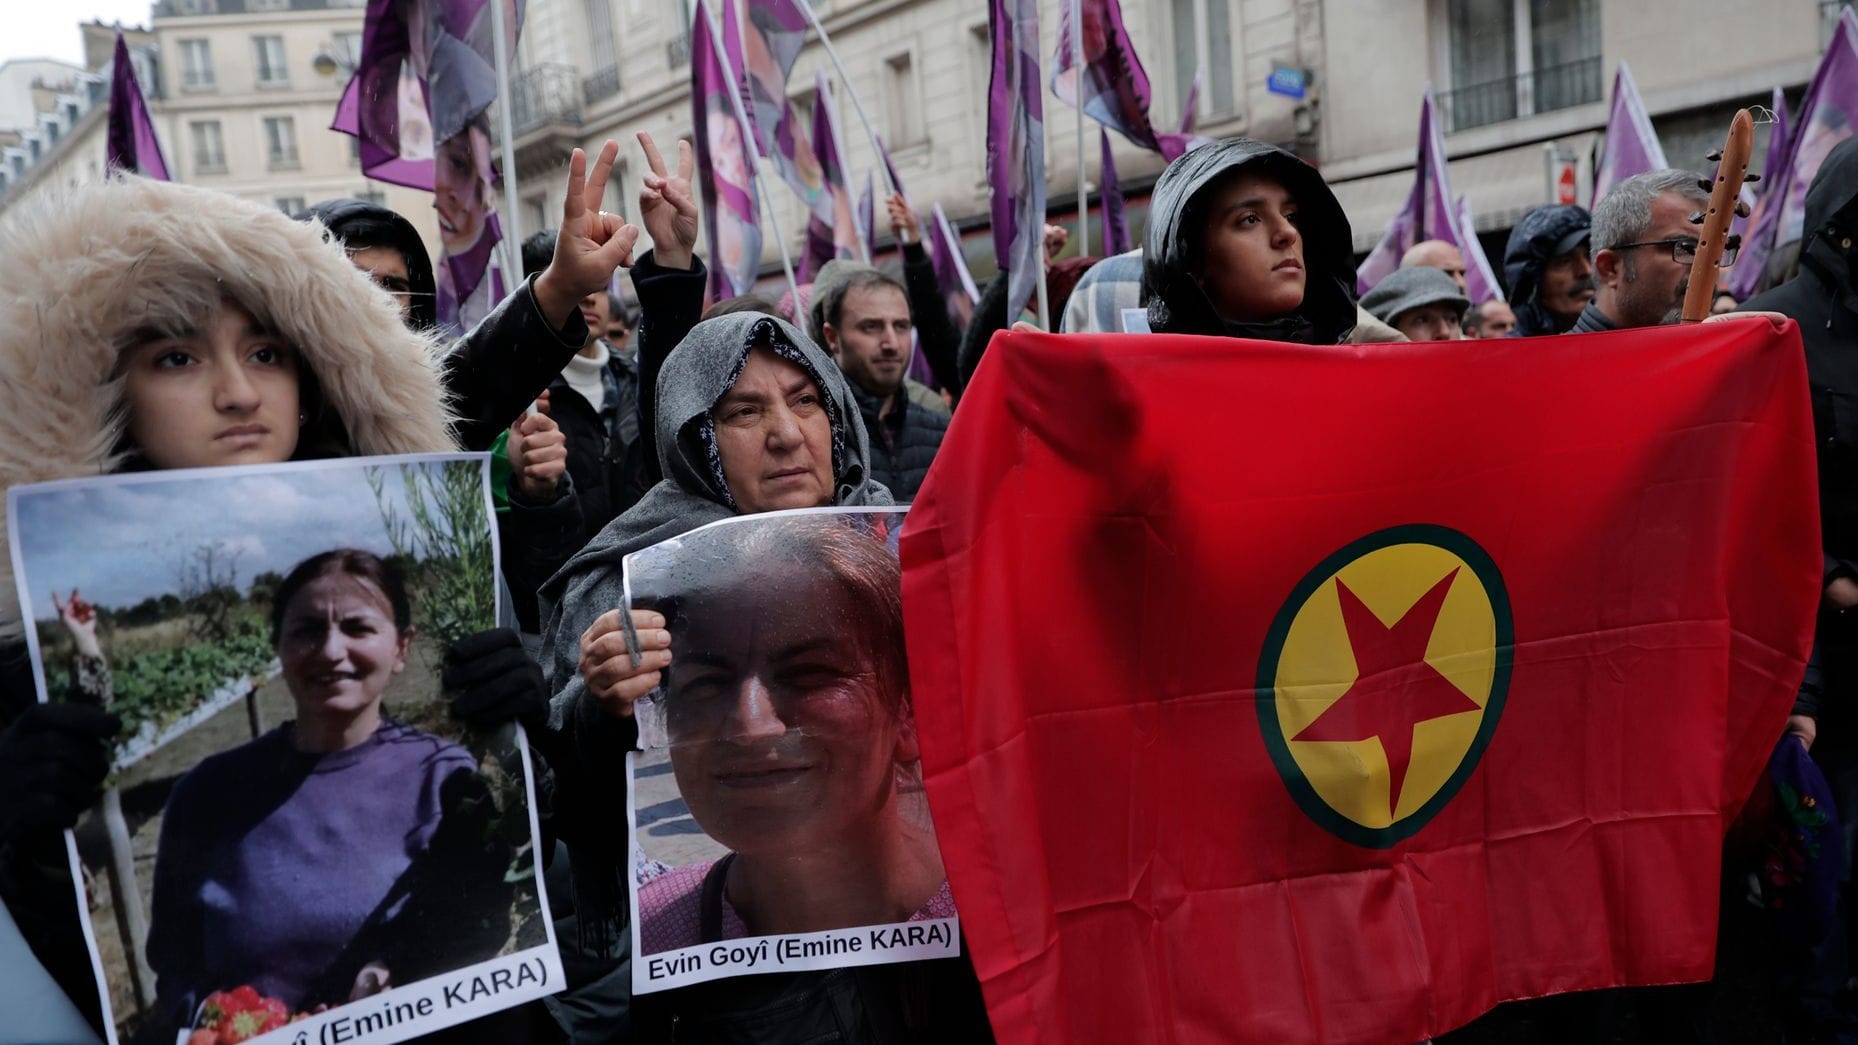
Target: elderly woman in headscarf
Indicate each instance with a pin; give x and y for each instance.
(751, 417)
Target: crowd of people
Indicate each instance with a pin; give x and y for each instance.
(152, 326)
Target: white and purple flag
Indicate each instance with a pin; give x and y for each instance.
(1429, 213)
(1827, 112)
(840, 218)
(1016, 147)
(131, 144)
(725, 166)
(1110, 80)
(1477, 270)
(1631, 144)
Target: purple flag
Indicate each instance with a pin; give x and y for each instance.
(1826, 115)
(1016, 147)
(418, 105)
(131, 144)
(725, 165)
(777, 30)
(951, 268)
(840, 218)
(1631, 144)
(1477, 268)
(1115, 88)
(1115, 224)
(867, 214)
(1429, 213)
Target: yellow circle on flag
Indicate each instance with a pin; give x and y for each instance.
(1383, 678)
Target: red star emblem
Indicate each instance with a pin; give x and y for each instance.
(1395, 689)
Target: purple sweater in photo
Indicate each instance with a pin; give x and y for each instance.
(272, 861)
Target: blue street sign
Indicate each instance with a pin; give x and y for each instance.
(1286, 81)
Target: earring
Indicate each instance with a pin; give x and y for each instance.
(303, 418)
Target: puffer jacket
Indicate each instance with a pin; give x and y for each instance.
(1176, 231)
(84, 271)
(903, 442)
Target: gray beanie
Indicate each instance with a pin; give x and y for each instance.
(1410, 288)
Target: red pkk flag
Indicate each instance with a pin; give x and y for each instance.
(1461, 716)
(131, 144)
(1429, 213)
(725, 167)
(1827, 113)
(1115, 222)
(1016, 147)
(951, 268)
(1631, 144)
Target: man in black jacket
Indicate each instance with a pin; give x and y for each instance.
(868, 327)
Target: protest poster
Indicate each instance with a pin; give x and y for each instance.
(778, 816)
(297, 842)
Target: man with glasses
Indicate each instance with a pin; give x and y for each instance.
(1643, 244)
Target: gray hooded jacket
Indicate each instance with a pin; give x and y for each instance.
(589, 743)
(1176, 236)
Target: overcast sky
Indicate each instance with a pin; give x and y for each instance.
(49, 30)
(121, 542)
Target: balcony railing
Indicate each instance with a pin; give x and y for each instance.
(602, 84)
(543, 95)
(1544, 90)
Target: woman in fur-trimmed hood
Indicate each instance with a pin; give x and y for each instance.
(152, 325)
(91, 273)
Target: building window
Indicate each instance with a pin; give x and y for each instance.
(196, 65)
(209, 146)
(71, 113)
(1513, 58)
(905, 100)
(602, 58)
(292, 205)
(269, 51)
(372, 195)
(281, 141)
(677, 52)
(1202, 31)
(348, 50)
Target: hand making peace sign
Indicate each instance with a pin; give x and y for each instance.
(666, 206)
(591, 243)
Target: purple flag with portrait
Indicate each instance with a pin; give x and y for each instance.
(1826, 114)
(1631, 144)
(951, 268)
(1016, 147)
(725, 166)
(1113, 86)
(131, 144)
(1429, 213)
(1115, 223)
(776, 32)
(418, 106)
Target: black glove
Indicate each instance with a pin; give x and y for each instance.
(491, 680)
(53, 760)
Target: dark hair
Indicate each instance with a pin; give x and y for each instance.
(742, 303)
(833, 307)
(355, 563)
(538, 251)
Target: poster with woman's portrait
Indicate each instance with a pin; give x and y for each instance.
(778, 820)
(297, 841)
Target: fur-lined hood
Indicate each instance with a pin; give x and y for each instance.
(83, 271)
